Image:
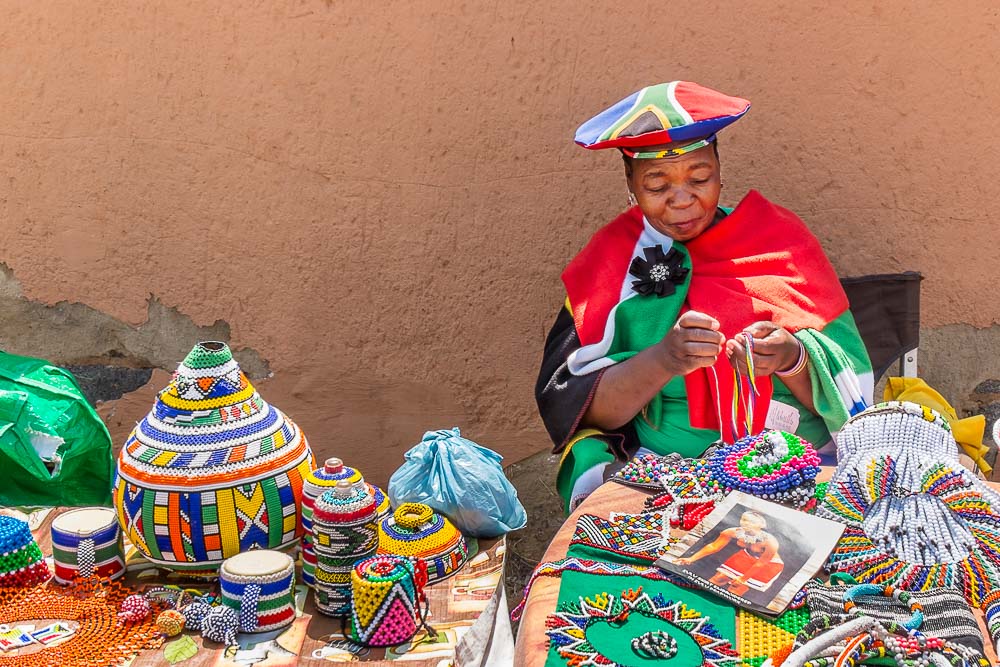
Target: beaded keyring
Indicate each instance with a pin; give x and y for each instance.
(567, 628)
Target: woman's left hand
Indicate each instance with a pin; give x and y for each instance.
(774, 349)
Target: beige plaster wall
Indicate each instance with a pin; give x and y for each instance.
(377, 198)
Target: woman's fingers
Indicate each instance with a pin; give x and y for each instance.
(692, 319)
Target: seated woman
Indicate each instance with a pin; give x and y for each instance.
(661, 301)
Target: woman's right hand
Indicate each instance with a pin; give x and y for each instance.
(694, 342)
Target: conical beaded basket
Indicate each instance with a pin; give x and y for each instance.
(212, 470)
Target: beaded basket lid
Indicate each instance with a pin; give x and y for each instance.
(345, 502)
(21, 560)
(256, 563)
(417, 531)
(209, 428)
(84, 521)
(327, 476)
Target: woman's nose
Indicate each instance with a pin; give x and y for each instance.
(680, 198)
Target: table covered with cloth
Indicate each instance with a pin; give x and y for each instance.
(532, 647)
(468, 611)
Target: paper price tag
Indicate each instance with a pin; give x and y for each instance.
(782, 417)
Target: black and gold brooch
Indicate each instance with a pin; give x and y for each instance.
(658, 273)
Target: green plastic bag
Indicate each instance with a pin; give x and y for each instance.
(44, 419)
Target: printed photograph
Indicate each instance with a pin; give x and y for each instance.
(752, 552)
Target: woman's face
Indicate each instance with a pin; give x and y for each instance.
(678, 195)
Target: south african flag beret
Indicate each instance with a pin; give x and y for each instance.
(662, 114)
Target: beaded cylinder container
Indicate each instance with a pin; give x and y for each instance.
(345, 530)
(21, 561)
(321, 480)
(87, 542)
(212, 470)
(773, 465)
(385, 601)
(260, 586)
(416, 531)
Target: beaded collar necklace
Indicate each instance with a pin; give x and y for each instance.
(773, 465)
(953, 509)
(567, 629)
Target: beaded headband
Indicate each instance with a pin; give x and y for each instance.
(669, 152)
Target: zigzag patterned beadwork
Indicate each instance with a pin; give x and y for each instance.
(385, 601)
(567, 628)
(212, 470)
(417, 531)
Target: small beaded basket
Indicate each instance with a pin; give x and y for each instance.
(21, 561)
(260, 586)
(316, 483)
(345, 530)
(416, 531)
(87, 542)
(385, 601)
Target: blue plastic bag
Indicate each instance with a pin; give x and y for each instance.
(461, 480)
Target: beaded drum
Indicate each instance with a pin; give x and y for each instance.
(86, 542)
(21, 561)
(345, 530)
(385, 601)
(260, 586)
(212, 470)
(416, 531)
(318, 481)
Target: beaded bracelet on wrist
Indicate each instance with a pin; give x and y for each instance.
(773, 465)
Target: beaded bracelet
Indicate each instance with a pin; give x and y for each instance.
(900, 596)
(800, 363)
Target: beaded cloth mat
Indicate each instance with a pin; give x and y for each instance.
(601, 565)
(94, 604)
(212, 470)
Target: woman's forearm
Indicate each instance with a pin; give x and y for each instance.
(801, 387)
(625, 389)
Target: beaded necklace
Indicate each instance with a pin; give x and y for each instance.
(773, 465)
(100, 639)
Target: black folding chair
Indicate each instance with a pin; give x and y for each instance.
(886, 308)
